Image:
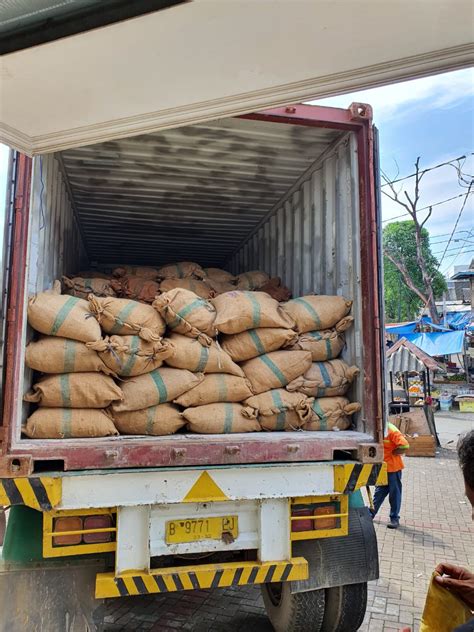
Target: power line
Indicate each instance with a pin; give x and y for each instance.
(455, 256)
(425, 208)
(423, 171)
(456, 222)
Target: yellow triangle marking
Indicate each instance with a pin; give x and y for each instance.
(204, 490)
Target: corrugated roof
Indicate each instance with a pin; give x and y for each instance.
(405, 356)
(188, 193)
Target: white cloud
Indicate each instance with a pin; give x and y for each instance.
(442, 92)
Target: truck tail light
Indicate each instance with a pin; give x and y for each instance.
(67, 532)
(325, 523)
(98, 522)
(298, 522)
(72, 527)
(319, 517)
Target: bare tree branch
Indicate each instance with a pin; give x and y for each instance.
(406, 277)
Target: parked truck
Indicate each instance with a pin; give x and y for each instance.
(292, 191)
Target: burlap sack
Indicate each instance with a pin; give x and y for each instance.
(280, 410)
(276, 289)
(189, 353)
(60, 355)
(56, 314)
(219, 287)
(325, 379)
(240, 311)
(66, 423)
(251, 280)
(75, 390)
(136, 288)
(221, 419)
(216, 387)
(185, 313)
(144, 272)
(157, 387)
(326, 344)
(164, 419)
(255, 342)
(219, 275)
(125, 317)
(193, 285)
(181, 271)
(275, 369)
(331, 413)
(314, 313)
(82, 287)
(128, 356)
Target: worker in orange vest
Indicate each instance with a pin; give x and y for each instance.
(394, 446)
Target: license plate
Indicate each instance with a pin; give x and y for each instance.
(192, 529)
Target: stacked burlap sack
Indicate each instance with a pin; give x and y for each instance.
(215, 362)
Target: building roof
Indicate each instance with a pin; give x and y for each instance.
(405, 356)
(468, 274)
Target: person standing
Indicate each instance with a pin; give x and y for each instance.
(394, 446)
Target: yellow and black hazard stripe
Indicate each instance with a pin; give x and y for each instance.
(351, 476)
(43, 492)
(199, 577)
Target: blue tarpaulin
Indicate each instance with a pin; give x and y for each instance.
(439, 343)
(401, 330)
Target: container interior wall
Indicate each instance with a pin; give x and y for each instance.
(55, 245)
(311, 239)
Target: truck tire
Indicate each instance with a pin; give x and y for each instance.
(299, 612)
(344, 608)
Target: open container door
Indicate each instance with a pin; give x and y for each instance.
(355, 133)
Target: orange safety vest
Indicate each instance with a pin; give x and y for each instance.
(393, 440)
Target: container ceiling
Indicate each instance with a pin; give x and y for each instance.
(190, 193)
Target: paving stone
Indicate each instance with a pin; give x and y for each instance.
(435, 526)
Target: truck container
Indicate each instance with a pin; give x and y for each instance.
(291, 191)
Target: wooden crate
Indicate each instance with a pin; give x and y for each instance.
(422, 445)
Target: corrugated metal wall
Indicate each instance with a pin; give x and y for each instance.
(311, 238)
(56, 245)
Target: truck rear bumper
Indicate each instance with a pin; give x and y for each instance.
(199, 577)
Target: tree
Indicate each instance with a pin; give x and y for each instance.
(404, 280)
(395, 252)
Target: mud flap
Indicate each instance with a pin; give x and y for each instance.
(351, 559)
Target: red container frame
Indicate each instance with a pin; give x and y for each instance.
(26, 457)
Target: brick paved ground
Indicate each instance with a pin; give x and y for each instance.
(436, 527)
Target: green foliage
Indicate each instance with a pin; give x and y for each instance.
(401, 303)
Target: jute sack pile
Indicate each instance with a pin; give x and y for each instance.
(157, 387)
(136, 288)
(164, 419)
(145, 272)
(128, 356)
(239, 311)
(314, 313)
(280, 410)
(65, 423)
(331, 413)
(181, 271)
(216, 387)
(50, 354)
(124, 317)
(221, 418)
(325, 379)
(326, 344)
(275, 369)
(82, 287)
(56, 314)
(219, 275)
(93, 274)
(189, 353)
(254, 342)
(188, 314)
(200, 288)
(75, 390)
(251, 280)
(219, 287)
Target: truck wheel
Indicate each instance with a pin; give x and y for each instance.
(300, 612)
(345, 608)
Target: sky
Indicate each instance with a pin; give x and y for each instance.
(432, 118)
